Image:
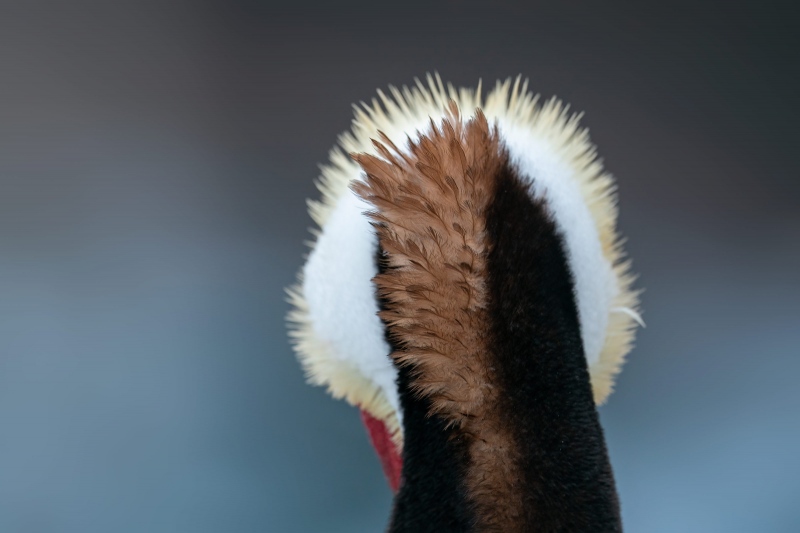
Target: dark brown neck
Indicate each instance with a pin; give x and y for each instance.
(565, 480)
(501, 433)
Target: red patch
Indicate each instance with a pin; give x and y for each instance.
(390, 458)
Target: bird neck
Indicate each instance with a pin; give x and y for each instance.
(542, 433)
(500, 429)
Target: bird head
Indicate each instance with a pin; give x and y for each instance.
(342, 307)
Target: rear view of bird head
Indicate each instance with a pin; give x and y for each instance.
(467, 292)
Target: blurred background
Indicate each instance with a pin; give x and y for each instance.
(155, 157)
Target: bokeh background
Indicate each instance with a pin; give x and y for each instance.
(155, 157)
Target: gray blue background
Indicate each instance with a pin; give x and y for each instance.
(154, 161)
